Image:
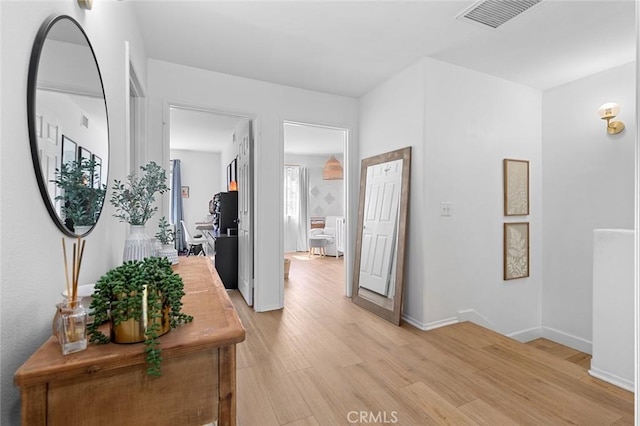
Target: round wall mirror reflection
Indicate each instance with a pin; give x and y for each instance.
(68, 125)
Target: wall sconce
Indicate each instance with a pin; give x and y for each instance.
(332, 169)
(85, 4)
(609, 111)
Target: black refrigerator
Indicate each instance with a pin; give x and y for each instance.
(225, 222)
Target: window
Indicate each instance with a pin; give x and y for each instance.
(291, 190)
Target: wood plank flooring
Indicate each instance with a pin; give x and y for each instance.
(325, 361)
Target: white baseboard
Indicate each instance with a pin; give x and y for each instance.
(567, 339)
(527, 335)
(523, 336)
(429, 325)
(475, 317)
(611, 378)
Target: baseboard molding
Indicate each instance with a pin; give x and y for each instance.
(475, 317)
(611, 378)
(524, 336)
(429, 325)
(567, 339)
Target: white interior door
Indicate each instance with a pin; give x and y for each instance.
(50, 154)
(382, 201)
(245, 219)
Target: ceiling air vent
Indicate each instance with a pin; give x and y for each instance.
(494, 13)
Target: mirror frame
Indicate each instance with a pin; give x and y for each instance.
(32, 86)
(395, 314)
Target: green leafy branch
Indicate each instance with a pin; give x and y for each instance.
(134, 198)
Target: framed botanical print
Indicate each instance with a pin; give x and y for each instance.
(516, 187)
(516, 250)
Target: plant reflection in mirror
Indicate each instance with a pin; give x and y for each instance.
(80, 203)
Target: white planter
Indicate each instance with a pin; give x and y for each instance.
(169, 252)
(138, 244)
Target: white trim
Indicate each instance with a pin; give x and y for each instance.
(611, 378)
(567, 339)
(429, 325)
(475, 317)
(526, 335)
(636, 220)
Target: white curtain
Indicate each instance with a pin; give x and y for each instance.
(303, 213)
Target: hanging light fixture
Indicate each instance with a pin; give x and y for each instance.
(332, 169)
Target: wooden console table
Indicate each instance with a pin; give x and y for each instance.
(108, 384)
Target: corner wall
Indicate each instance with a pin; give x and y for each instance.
(588, 183)
(461, 124)
(472, 122)
(31, 264)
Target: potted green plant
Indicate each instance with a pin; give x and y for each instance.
(119, 298)
(166, 236)
(134, 202)
(80, 202)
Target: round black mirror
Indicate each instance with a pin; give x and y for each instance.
(68, 125)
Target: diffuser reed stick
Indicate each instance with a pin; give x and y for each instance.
(66, 267)
(76, 263)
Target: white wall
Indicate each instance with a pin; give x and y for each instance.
(461, 125)
(32, 272)
(472, 122)
(228, 154)
(270, 104)
(200, 171)
(588, 183)
(65, 110)
(392, 117)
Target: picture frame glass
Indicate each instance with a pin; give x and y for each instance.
(516, 250)
(516, 187)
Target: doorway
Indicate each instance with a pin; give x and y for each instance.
(314, 207)
(214, 152)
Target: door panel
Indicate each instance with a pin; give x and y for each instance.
(245, 222)
(380, 225)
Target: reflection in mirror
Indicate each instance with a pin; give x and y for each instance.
(381, 234)
(68, 128)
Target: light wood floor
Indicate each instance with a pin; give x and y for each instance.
(322, 360)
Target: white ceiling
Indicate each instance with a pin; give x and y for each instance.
(347, 48)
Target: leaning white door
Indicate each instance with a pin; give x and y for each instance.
(384, 183)
(245, 197)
